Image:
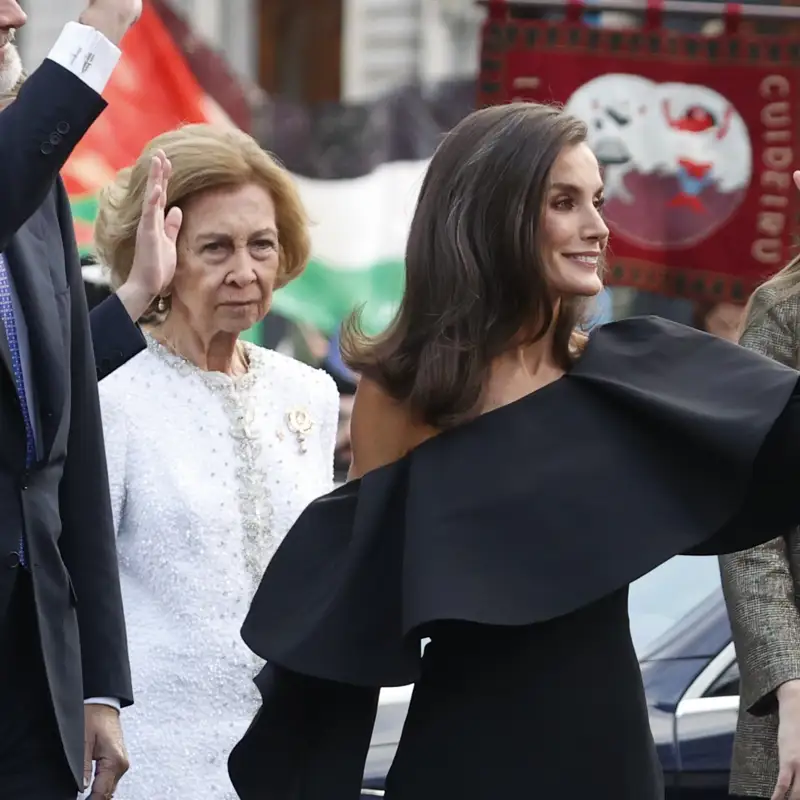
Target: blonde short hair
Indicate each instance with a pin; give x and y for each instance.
(204, 158)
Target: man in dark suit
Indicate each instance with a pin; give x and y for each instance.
(116, 337)
(63, 656)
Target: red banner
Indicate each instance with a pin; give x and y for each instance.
(697, 136)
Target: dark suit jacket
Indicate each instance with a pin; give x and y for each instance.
(62, 503)
(115, 338)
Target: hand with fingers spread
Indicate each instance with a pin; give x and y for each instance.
(156, 255)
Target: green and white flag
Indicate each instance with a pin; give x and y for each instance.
(358, 232)
(359, 170)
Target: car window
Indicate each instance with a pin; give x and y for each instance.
(727, 685)
(664, 596)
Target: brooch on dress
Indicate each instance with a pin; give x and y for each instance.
(300, 424)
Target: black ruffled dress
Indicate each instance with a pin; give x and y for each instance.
(510, 542)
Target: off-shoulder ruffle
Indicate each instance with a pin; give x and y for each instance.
(651, 446)
(646, 449)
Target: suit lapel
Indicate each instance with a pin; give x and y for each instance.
(27, 257)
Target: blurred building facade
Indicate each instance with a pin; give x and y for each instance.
(226, 23)
(392, 42)
(313, 50)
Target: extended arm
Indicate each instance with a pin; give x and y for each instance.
(56, 106)
(758, 583)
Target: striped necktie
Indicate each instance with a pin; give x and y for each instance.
(10, 324)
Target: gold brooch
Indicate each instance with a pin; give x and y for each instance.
(300, 424)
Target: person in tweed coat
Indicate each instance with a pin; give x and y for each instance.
(762, 591)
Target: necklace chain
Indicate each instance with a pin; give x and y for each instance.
(239, 350)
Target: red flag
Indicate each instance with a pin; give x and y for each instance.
(151, 91)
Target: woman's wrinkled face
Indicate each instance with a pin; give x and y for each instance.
(227, 260)
(573, 233)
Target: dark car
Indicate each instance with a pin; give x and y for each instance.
(681, 632)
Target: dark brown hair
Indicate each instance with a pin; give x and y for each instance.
(475, 282)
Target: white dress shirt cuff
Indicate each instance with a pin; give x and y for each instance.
(103, 701)
(86, 53)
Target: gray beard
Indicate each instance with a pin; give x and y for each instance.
(12, 75)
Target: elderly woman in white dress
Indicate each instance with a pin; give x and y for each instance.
(214, 445)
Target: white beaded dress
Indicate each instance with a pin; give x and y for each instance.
(207, 474)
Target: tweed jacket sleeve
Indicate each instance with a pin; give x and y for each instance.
(759, 584)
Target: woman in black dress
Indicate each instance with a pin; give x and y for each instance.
(511, 478)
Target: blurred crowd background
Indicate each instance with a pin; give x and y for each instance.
(352, 96)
